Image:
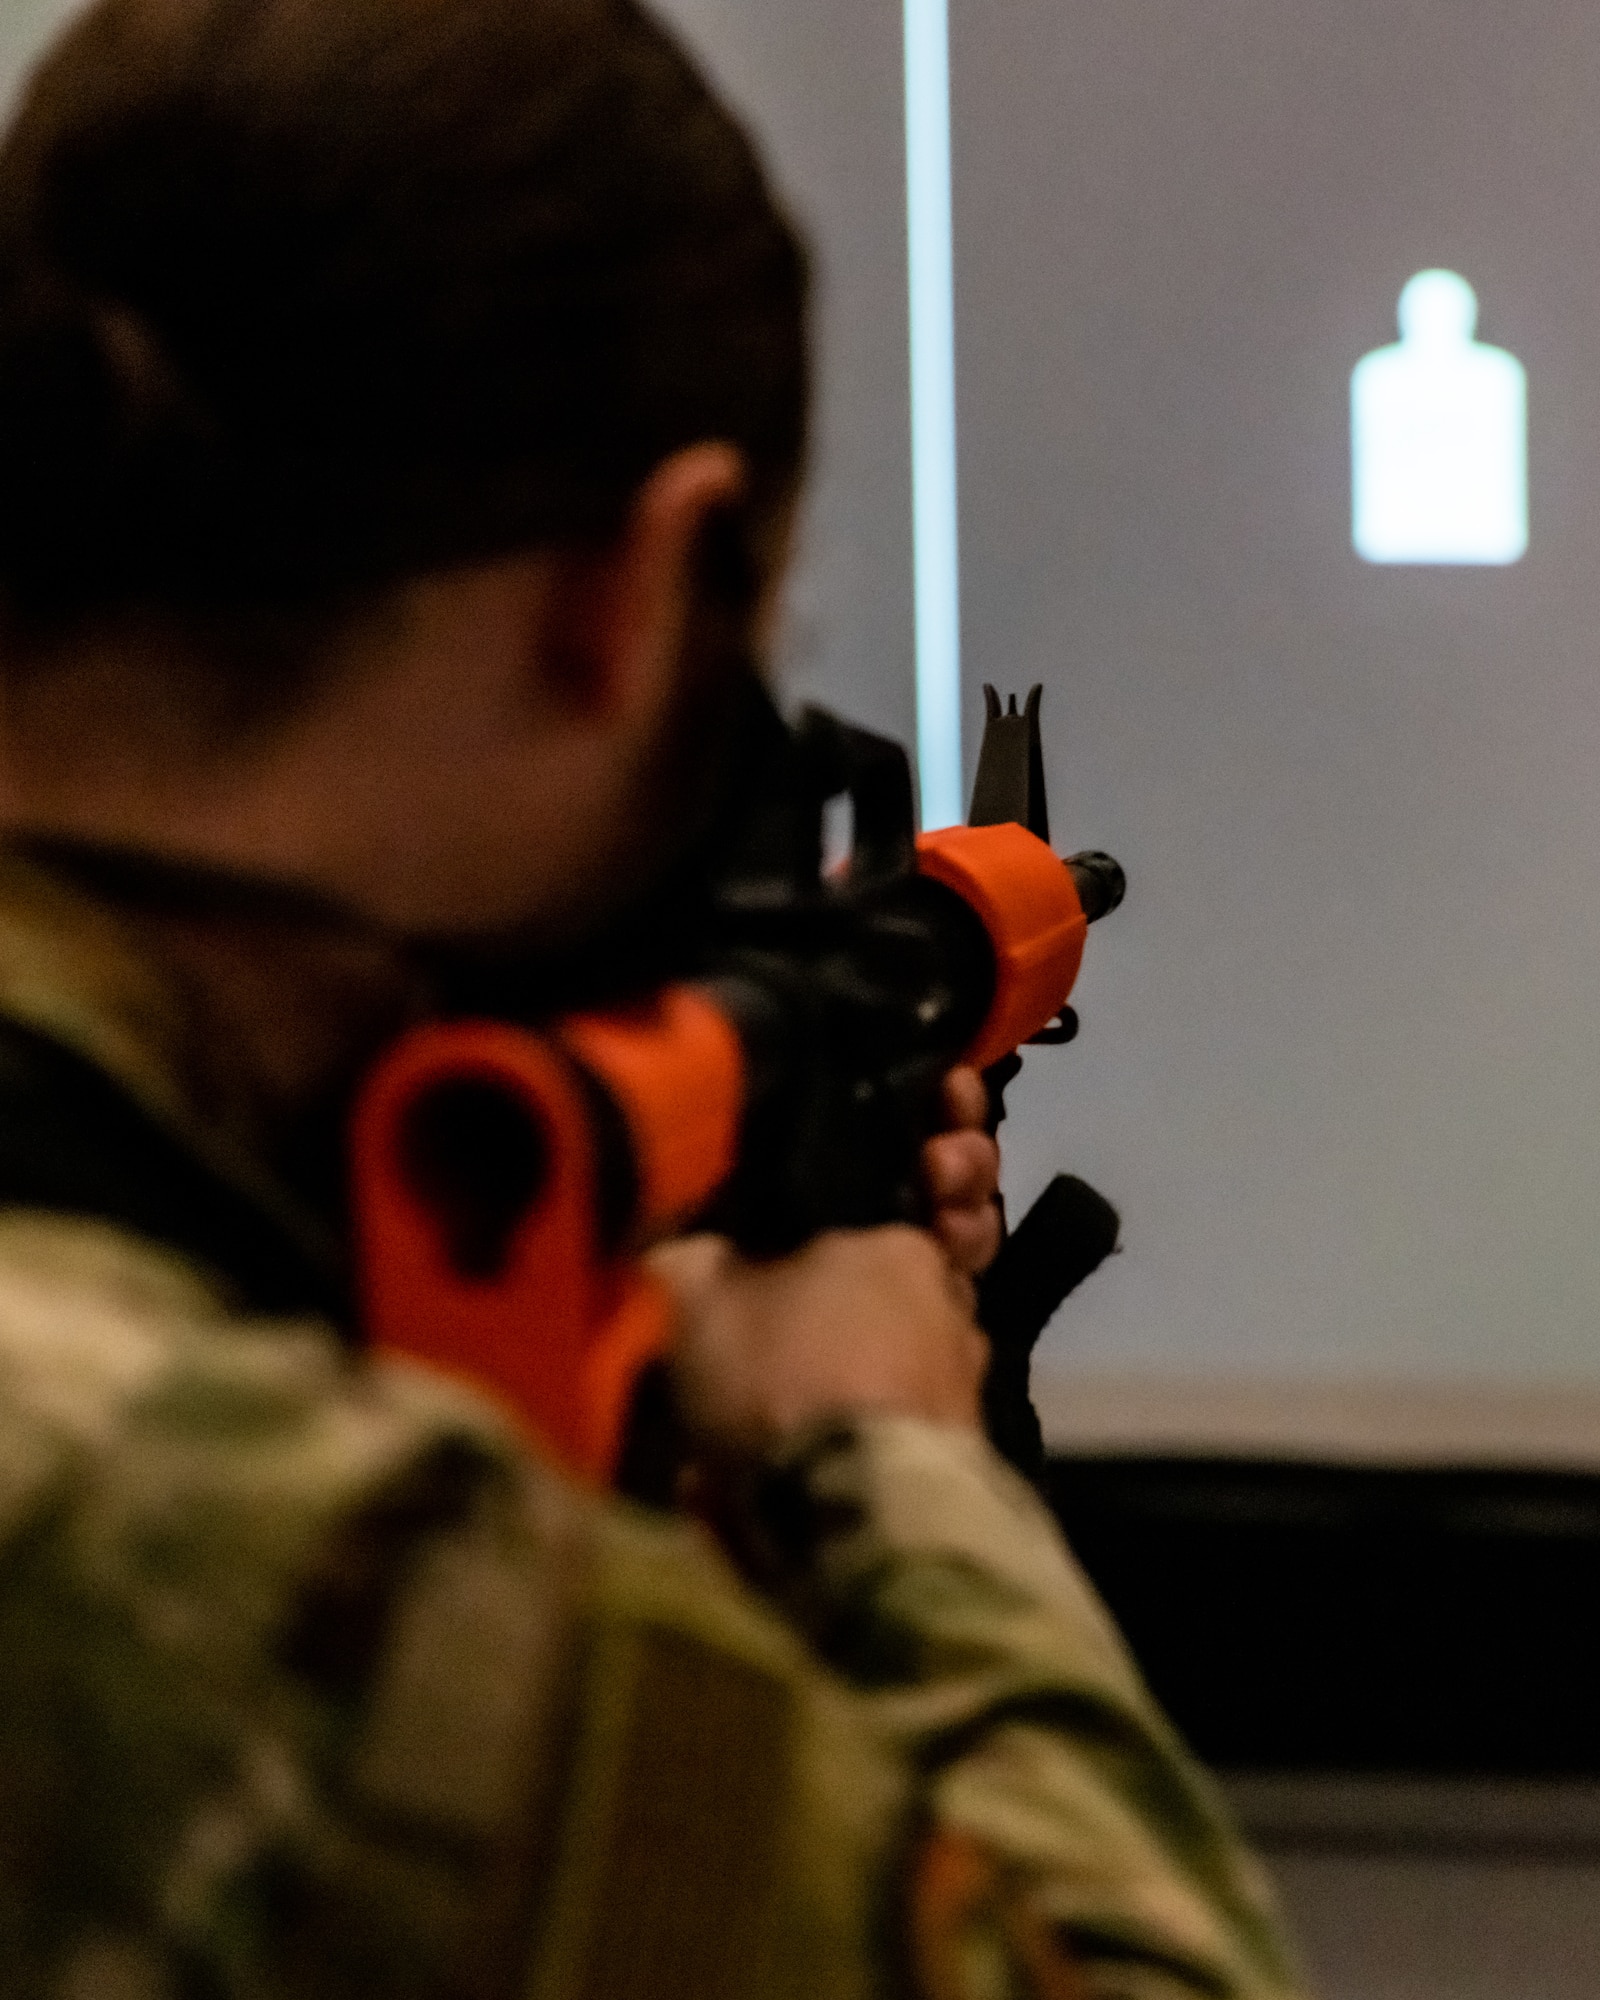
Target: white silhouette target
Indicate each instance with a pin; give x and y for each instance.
(1439, 437)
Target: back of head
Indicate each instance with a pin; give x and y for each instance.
(301, 297)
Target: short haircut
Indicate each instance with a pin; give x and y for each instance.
(301, 297)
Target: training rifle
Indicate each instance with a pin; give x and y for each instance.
(781, 1080)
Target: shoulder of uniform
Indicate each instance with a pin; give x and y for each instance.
(126, 1380)
(128, 1388)
(340, 1606)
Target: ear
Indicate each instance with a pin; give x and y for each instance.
(619, 620)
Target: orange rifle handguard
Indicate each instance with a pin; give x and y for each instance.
(1028, 902)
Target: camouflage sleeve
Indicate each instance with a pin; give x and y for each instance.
(314, 1686)
(276, 1636)
(1072, 1845)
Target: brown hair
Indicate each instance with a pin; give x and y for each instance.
(299, 297)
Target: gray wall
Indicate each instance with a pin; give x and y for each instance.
(1340, 1064)
(25, 28)
(822, 85)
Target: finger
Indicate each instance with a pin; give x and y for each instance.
(690, 1266)
(961, 1169)
(966, 1100)
(971, 1237)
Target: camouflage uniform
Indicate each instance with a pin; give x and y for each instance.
(312, 1684)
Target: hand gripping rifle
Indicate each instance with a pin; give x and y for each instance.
(781, 1081)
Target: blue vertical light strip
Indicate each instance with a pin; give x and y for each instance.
(935, 517)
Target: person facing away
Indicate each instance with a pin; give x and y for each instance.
(402, 411)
